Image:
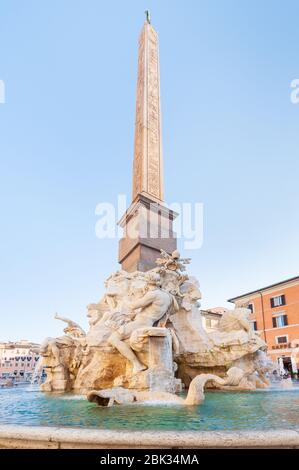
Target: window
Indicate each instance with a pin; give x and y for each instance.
(281, 339)
(254, 325)
(250, 307)
(278, 301)
(280, 321)
(208, 322)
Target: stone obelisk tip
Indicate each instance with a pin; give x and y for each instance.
(148, 16)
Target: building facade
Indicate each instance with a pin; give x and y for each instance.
(18, 360)
(275, 315)
(211, 318)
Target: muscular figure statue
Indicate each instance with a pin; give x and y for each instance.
(73, 334)
(150, 309)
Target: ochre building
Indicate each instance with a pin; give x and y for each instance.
(275, 315)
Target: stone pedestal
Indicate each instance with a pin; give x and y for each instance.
(148, 228)
(160, 361)
(57, 380)
(156, 353)
(160, 350)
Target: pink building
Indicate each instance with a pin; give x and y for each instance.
(18, 360)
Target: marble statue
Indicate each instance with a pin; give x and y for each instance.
(61, 357)
(120, 396)
(172, 261)
(144, 313)
(53, 346)
(146, 335)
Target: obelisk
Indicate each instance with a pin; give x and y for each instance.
(148, 164)
(147, 223)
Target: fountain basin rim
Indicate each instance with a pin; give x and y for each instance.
(34, 437)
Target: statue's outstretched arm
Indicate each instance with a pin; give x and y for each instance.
(66, 320)
(70, 323)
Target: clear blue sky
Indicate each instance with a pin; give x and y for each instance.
(230, 138)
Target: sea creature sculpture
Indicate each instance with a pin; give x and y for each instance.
(122, 396)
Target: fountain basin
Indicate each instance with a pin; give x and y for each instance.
(266, 418)
(38, 437)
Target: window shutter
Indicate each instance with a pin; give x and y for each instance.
(283, 299)
(285, 319)
(274, 321)
(272, 302)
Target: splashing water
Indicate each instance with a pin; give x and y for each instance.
(38, 371)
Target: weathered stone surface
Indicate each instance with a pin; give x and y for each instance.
(60, 377)
(100, 370)
(24, 437)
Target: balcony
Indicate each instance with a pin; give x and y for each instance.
(282, 346)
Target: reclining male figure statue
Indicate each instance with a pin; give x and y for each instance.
(153, 306)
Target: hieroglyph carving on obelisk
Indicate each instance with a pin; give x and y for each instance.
(148, 165)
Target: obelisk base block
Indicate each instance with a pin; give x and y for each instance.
(148, 228)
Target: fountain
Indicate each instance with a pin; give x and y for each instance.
(146, 362)
(145, 334)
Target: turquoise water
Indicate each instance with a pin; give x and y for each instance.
(265, 409)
